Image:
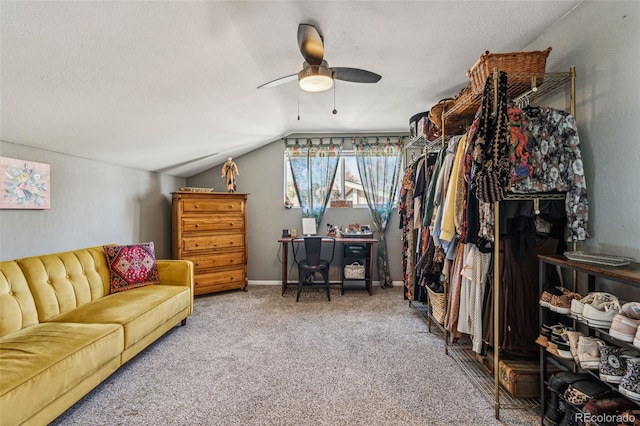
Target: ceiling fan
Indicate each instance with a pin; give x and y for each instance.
(316, 75)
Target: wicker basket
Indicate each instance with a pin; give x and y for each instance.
(355, 271)
(453, 125)
(438, 302)
(465, 105)
(515, 62)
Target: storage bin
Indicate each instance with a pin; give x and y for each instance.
(520, 64)
(355, 250)
(438, 302)
(355, 271)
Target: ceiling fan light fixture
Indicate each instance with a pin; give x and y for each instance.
(315, 79)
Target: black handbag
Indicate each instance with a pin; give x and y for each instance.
(491, 168)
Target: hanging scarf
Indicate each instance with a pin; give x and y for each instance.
(491, 169)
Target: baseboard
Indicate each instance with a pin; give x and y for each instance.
(278, 282)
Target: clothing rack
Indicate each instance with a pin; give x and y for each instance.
(551, 83)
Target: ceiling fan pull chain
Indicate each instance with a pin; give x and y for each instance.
(298, 103)
(335, 111)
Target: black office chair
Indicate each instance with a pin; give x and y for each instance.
(313, 263)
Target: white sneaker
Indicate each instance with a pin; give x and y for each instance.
(577, 305)
(588, 352)
(600, 313)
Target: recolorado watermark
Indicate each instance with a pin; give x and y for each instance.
(589, 418)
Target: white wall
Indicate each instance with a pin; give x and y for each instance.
(602, 40)
(92, 203)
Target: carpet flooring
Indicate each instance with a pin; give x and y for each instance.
(258, 358)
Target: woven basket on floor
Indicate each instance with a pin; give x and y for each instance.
(533, 62)
(438, 302)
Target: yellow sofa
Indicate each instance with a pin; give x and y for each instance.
(62, 333)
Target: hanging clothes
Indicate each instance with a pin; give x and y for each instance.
(556, 163)
(405, 212)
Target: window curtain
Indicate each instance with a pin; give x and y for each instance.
(379, 165)
(313, 167)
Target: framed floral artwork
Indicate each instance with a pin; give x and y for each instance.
(24, 184)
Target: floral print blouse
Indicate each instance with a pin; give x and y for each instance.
(552, 162)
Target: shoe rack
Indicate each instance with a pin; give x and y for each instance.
(627, 275)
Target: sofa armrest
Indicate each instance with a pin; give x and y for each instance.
(176, 272)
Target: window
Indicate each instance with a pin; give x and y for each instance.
(346, 186)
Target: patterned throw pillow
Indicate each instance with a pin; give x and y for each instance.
(131, 266)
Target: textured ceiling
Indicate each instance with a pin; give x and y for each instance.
(171, 86)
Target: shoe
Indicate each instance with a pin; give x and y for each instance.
(552, 415)
(558, 338)
(560, 381)
(559, 345)
(631, 310)
(545, 335)
(562, 304)
(545, 297)
(579, 393)
(630, 382)
(577, 305)
(600, 313)
(588, 352)
(629, 418)
(603, 406)
(613, 365)
(570, 414)
(624, 328)
(573, 343)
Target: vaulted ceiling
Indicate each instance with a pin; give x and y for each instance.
(171, 86)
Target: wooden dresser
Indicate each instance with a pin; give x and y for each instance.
(210, 229)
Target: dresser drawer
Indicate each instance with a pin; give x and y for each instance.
(221, 260)
(219, 223)
(213, 205)
(213, 242)
(232, 277)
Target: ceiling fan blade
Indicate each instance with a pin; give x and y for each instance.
(355, 75)
(279, 81)
(311, 44)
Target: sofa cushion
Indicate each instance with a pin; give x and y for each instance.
(42, 362)
(131, 266)
(63, 281)
(139, 310)
(17, 307)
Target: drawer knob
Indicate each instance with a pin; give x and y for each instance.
(197, 206)
(230, 260)
(230, 206)
(196, 244)
(197, 225)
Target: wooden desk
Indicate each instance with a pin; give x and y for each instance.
(285, 256)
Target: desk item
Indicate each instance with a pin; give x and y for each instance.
(357, 235)
(355, 271)
(308, 226)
